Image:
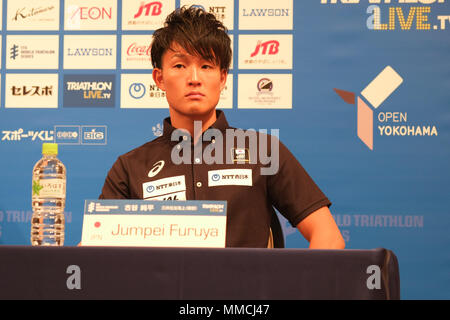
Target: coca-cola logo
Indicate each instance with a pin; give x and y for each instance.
(138, 50)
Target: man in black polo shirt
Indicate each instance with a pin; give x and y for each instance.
(197, 158)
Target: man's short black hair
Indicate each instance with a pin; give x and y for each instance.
(198, 32)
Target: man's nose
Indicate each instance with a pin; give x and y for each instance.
(194, 76)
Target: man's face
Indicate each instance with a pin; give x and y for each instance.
(192, 84)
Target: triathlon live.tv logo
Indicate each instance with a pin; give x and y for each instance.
(376, 93)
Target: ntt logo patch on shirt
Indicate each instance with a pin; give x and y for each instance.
(230, 177)
(172, 188)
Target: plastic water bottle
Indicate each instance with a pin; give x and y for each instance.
(48, 198)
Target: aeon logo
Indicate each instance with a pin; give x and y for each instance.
(77, 14)
(376, 93)
(151, 8)
(90, 13)
(269, 47)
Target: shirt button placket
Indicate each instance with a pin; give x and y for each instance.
(197, 168)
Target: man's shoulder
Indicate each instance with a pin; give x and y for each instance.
(147, 148)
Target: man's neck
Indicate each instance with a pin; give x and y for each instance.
(184, 122)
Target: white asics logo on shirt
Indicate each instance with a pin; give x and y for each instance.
(157, 167)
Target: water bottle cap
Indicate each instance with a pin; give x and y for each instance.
(50, 148)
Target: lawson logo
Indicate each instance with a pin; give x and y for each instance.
(257, 14)
(265, 12)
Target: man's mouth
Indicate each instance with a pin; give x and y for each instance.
(194, 95)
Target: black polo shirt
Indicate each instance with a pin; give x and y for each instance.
(148, 172)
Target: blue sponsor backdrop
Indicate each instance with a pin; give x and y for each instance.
(394, 195)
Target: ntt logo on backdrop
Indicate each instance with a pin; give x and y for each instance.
(376, 92)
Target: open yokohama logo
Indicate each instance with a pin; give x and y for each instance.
(384, 84)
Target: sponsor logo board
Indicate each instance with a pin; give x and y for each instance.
(33, 15)
(265, 51)
(145, 15)
(140, 91)
(90, 51)
(90, 14)
(89, 90)
(222, 9)
(265, 91)
(31, 90)
(136, 51)
(259, 14)
(32, 51)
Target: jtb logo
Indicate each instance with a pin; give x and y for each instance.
(376, 93)
(268, 47)
(156, 6)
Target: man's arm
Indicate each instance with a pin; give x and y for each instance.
(320, 229)
(116, 182)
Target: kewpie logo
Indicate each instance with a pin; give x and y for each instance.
(376, 93)
(269, 47)
(151, 8)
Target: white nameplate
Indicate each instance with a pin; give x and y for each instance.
(142, 223)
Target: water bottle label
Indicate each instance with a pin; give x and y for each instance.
(53, 188)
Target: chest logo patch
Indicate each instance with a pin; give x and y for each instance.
(230, 177)
(171, 188)
(240, 155)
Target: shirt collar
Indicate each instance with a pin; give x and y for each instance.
(220, 124)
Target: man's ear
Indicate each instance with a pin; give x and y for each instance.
(158, 78)
(223, 78)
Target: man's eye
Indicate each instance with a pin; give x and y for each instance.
(207, 66)
(178, 66)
